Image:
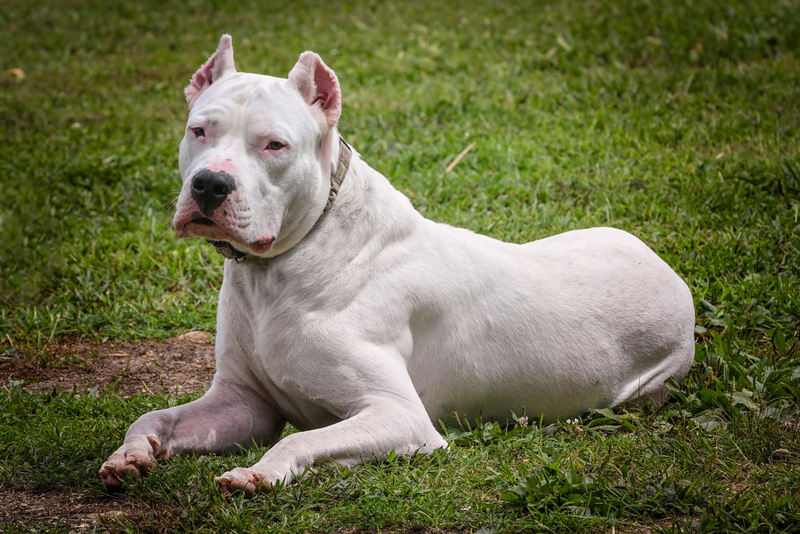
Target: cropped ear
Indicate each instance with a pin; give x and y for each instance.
(318, 85)
(218, 65)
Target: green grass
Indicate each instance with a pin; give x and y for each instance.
(677, 121)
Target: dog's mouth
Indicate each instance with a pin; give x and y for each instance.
(216, 232)
(204, 221)
(193, 226)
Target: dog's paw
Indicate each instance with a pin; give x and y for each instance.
(242, 480)
(137, 456)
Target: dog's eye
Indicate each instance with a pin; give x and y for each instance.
(275, 145)
(199, 132)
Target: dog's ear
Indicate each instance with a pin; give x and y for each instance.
(217, 66)
(318, 85)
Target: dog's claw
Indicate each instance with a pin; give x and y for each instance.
(132, 460)
(242, 481)
(110, 479)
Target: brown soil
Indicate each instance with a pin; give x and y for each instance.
(64, 507)
(86, 511)
(178, 366)
(181, 365)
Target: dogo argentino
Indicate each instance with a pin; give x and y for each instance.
(363, 324)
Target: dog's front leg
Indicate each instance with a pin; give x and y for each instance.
(383, 414)
(226, 416)
(377, 430)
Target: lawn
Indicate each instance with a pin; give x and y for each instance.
(676, 121)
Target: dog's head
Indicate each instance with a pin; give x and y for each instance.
(257, 153)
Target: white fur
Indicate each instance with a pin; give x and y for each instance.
(366, 330)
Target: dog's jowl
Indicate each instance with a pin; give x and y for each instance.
(346, 313)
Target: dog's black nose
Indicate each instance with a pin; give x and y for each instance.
(210, 189)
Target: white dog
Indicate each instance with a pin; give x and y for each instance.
(361, 323)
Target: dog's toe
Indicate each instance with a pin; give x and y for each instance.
(111, 481)
(132, 460)
(242, 481)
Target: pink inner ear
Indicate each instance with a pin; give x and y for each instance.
(201, 78)
(328, 92)
(317, 84)
(217, 66)
(326, 87)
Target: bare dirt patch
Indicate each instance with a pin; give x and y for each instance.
(85, 511)
(178, 366)
(62, 506)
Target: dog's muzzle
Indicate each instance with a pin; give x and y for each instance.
(208, 177)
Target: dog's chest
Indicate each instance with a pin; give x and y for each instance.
(302, 410)
(276, 341)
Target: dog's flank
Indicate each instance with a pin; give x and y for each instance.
(362, 323)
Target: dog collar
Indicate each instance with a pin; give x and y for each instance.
(345, 155)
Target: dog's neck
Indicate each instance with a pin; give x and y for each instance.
(338, 172)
